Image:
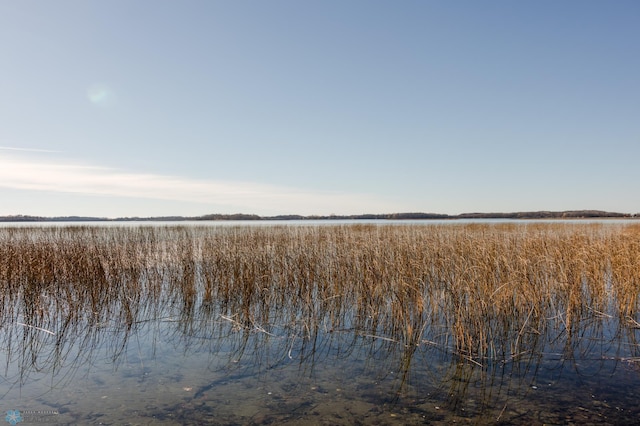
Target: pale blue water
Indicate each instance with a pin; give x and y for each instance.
(202, 368)
(171, 363)
(327, 222)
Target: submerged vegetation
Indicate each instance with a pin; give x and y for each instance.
(478, 294)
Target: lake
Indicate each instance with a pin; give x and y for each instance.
(343, 324)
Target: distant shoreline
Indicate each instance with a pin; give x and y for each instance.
(568, 214)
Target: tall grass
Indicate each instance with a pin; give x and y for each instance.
(484, 292)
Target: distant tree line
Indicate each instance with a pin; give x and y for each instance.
(569, 214)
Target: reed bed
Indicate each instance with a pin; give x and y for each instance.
(486, 293)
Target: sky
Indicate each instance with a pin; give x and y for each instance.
(156, 107)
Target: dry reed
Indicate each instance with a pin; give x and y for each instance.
(484, 292)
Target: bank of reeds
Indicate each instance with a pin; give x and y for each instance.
(485, 292)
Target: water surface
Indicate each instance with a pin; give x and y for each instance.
(168, 357)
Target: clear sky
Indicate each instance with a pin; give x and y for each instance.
(158, 107)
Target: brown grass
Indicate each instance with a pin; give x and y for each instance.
(485, 292)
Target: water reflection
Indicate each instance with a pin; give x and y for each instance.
(160, 336)
(410, 374)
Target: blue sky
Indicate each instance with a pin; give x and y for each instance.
(148, 108)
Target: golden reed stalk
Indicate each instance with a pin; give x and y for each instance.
(479, 290)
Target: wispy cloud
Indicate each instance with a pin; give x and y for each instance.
(24, 173)
(12, 148)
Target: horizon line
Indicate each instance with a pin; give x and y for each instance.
(538, 214)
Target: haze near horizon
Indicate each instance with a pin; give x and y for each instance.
(158, 108)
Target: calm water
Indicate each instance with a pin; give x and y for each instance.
(312, 222)
(175, 364)
(202, 368)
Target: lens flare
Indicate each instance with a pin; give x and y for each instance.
(101, 95)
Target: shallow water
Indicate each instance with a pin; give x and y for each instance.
(205, 369)
(144, 346)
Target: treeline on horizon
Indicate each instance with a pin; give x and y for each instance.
(569, 214)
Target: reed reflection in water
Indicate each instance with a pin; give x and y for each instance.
(339, 324)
